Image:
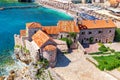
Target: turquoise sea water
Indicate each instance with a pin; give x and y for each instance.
(13, 20)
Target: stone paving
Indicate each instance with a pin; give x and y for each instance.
(115, 46)
(92, 48)
(115, 73)
(78, 68)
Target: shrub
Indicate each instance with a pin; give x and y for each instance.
(91, 39)
(68, 41)
(17, 46)
(103, 48)
(112, 50)
(117, 35)
(73, 34)
(25, 50)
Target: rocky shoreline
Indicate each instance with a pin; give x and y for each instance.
(29, 70)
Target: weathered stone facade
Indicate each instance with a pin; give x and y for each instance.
(104, 35)
(36, 38)
(31, 32)
(50, 56)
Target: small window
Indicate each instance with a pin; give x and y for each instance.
(89, 32)
(35, 31)
(87, 39)
(68, 36)
(99, 32)
(83, 33)
(96, 40)
(61, 36)
(109, 31)
(99, 41)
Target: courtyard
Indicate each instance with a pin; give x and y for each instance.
(76, 67)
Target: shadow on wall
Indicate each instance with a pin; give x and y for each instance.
(86, 45)
(62, 60)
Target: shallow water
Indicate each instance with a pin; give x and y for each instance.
(13, 20)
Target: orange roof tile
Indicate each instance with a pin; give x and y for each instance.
(22, 32)
(40, 38)
(67, 26)
(92, 24)
(113, 1)
(51, 29)
(33, 25)
(49, 47)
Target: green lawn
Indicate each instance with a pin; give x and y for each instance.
(108, 62)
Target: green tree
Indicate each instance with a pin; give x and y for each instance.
(91, 39)
(73, 35)
(117, 35)
(103, 48)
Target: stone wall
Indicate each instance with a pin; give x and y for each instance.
(66, 34)
(106, 35)
(54, 36)
(31, 32)
(31, 46)
(51, 57)
(63, 35)
(50, 42)
(17, 39)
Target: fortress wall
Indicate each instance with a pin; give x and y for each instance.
(17, 39)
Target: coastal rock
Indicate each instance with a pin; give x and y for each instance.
(22, 56)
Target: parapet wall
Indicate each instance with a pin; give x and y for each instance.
(17, 39)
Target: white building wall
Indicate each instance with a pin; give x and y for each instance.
(33, 48)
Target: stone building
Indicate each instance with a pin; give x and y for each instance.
(62, 29)
(31, 29)
(42, 41)
(96, 31)
(46, 47)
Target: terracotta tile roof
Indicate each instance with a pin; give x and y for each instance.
(49, 47)
(40, 38)
(22, 33)
(51, 29)
(113, 1)
(33, 25)
(67, 26)
(92, 24)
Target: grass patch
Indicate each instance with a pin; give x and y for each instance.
(119, 69)
(108, 62)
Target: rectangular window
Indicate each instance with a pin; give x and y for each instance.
(109, 31)
(83, 33)
(99, 32)
(89, 32)
(87, 39)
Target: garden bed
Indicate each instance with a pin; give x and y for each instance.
(108, 62)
